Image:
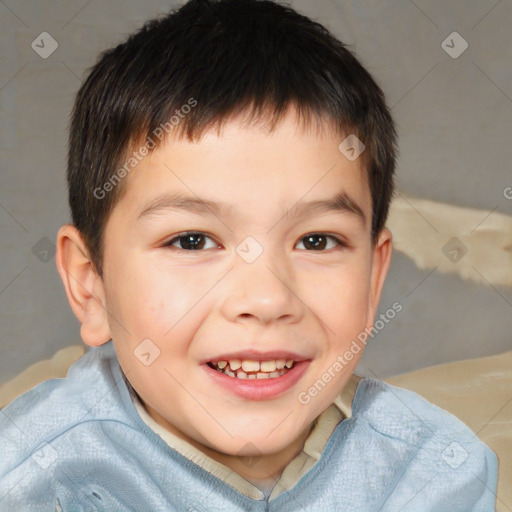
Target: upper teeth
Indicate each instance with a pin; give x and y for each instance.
(249, 365)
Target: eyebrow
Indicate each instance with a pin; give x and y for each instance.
(341, 203)
(183, 202)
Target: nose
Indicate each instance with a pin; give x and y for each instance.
(262, 292)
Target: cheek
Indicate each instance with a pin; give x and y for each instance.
(156, 304)
(342, 299)
(156, 301)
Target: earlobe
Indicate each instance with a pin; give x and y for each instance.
(84, 287)
(381, 260)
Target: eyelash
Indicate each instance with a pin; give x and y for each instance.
(336, 240)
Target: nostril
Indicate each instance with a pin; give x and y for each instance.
(97, 496)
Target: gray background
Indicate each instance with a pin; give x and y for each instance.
(454, 118)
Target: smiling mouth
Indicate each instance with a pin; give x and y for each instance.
(250, 369)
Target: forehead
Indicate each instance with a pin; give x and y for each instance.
(244, 163)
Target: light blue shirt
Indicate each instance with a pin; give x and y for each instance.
(78, 444)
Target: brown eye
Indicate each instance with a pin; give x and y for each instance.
(319, 242)
(192, 242)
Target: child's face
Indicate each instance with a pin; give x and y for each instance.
(246, 192)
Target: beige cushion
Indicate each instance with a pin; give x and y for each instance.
(56, 367)
(477, 391)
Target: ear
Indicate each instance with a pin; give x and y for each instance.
(84, 287)
(380, 264)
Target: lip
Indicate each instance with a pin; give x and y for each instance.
(256, 355)
(258, 389)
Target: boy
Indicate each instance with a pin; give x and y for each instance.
(230, 171)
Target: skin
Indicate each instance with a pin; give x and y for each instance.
(197, 304)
